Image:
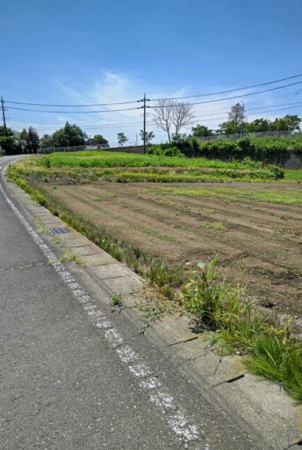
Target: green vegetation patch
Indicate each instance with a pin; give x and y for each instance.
(266, 150)
(237, 325)
(290, 197)
(107, 159)
(152, 168)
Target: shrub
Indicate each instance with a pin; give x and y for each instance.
(173, 151)
(169, 151)
(268, 150)
(277, 172)
(154, 150)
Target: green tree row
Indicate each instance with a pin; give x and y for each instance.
(237, 124)
(28, 141)
(13, 142)
(71, 136)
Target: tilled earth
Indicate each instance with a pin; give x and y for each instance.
(258, 243)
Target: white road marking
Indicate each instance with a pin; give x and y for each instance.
(127, 354)
(163, 401)
(166, 404)
(150, 383)
(140, 370)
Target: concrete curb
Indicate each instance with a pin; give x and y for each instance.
(262, 408)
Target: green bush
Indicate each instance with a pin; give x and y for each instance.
(277, 172)
(173, 151)
(268, 150)
(169, 151)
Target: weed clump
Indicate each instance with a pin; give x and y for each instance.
(271, 350)
(116, 301)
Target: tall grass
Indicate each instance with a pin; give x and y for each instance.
(106, 159)
(271, 351)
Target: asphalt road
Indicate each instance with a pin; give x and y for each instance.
(62, 385)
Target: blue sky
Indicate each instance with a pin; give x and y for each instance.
(101, 51)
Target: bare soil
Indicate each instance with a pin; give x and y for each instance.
(258, 244)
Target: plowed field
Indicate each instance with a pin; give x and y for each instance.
(256, 238)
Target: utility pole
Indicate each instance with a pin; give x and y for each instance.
(144, 127)
(144, 123)
(3, 114)
(242, 120)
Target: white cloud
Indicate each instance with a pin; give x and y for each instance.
(112, 87)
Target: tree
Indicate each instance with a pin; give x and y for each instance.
(121, 138)
(230, 127)
(169, 115)
(98, 139)
(237, 113)
(258, 125)
(287, 123)
(149, 135)
(201, 130)
(183, 116)
(70, 135)
(9, 141)
(32, 140)
(21, 139)
(235, 124)
(47, 141)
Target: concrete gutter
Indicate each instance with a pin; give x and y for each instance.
(262, 408)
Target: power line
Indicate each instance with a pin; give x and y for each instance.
(132, 109)
(251, 109)
(219, 115)
(239, 96)
(165, 98)
(72, 106)
(230, 90)
(72, 112)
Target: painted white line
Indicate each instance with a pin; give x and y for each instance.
(150, 383)
(163, 401)
(140, 370)
(178, 422)
(127, 354)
